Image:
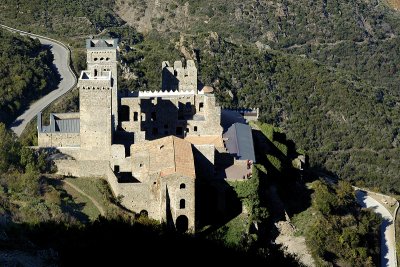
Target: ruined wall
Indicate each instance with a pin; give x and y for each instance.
(151, 118)
(58, 139)
(179, 77)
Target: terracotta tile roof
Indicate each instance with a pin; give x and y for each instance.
(168, 155)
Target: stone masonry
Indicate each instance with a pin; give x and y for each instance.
(143, 144)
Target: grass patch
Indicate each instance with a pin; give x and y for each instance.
(96, 188)
(234, 232)
(86, 204)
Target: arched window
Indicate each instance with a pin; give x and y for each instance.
(182, 224)
(144, 213)
(182, 186)
(182, 204)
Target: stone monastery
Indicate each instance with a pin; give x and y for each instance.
(152, 147)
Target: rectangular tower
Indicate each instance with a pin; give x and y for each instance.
(102, 56)
(95, 99)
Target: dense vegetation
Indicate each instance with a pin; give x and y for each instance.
(325, 72)
(334, 91)
(337, 230)
(26, 73)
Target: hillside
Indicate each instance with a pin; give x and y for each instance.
(326, 72)
(336, 96)
(26, 73)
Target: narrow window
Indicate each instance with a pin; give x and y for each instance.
(201, 105)
(135, 116)
(182, 186)
(153, 116)
(95, 73)
(187, 130)
(195, 128)
(116, 168)
(182, 204)
(124, 113)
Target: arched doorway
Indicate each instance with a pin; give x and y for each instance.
(182, 224)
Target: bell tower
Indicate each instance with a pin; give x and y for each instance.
(98, 99)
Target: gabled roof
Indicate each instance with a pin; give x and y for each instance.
(239, 142)
(167, 156)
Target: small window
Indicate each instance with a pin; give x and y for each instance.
(140, 165)
(153, 116)
(195, 128)
(201, 105)
(95, 59)
(182, 186)
(187, 130)
(102, 58)
(107, 59)
(95, 73)
(135, 116)
(182, 204)
(116, 168)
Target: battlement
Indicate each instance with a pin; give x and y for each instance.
(101, 44)
(145, 94)
(91, 79)
(179, 77)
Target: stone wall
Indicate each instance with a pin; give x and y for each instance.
(151, 118)
(58, 139)
(95, 123)
(179, 77)
(175, 190)
(82, 168)
(118, 158)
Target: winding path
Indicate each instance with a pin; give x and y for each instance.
(68, 79)
(388, 244)
(98, 206)
(387, 228)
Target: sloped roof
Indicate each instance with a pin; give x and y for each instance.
(239, 142)
(168, 155)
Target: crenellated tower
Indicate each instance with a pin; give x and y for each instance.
(98, 99)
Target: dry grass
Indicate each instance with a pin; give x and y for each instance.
(395, 4)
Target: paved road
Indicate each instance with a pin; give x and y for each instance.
(388, 246)
(68, 81)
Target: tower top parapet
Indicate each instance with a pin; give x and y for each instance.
(101, 44)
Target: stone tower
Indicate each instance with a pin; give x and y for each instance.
(98, 99)
(102, 56)
(179, 77)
